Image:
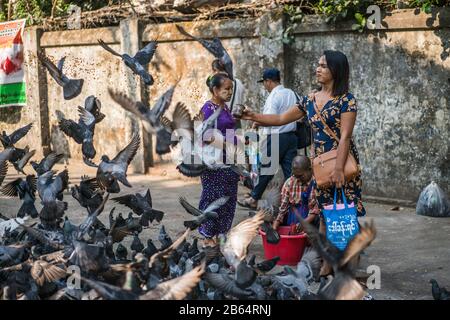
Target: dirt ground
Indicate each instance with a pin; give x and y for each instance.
(409, 249)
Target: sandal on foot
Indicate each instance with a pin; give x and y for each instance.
(247, 203)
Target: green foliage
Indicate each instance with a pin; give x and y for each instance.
(294, 17)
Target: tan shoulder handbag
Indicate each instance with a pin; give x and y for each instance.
(324, 164)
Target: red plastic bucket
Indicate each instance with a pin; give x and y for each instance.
(290, 248)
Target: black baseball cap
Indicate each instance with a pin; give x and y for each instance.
(271, 73)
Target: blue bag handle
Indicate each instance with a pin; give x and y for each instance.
(344, 199)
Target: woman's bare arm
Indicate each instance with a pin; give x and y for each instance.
(293, 114)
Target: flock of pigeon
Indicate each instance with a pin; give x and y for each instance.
(43, 255)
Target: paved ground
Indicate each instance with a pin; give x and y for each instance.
(409, 249)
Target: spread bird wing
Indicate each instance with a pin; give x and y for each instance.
(216, 204)
(20, 133)
(51, 67)
(51, 159)
(342, 287)
(182, 118)
(128, 153)
(3, 170)
(61, 181)
(145, 55)
(125, 200)
(85, 116)
(11, 189)
(90, 184)
(32, 182)
(137, 108)
(22, 162)
(108, 48)
(359, 242)
(166, 252)
(326, 249)
(42, 271)
(166, 123)
(178, 288)
(240, 237)
(163, 103)
(71, 129)
(189, 208)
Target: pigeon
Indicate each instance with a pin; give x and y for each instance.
(142, 206)
(47, 163)
(225, 284)
(88, 194)
(136, 245)
(138, 62)
(214, 47)
(5, 155)
(263, 266)
(111, 171)
(13, 254)
(164, 238)
(8, 141)
(25, 190)
(121, 252)
(22, 162)
(190, 156)
(50, 191)
(344, 286)
(71, 87)
(82, 132)
(150, 249)
(93, 105)
(272, 235)
(439, 293)
(150, 117)
(202, 216)
(234, 247)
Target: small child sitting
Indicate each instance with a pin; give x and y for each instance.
(298, 196)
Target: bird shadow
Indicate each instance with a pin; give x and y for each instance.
(11, 115)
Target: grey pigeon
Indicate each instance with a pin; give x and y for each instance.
(150, 116)
(214, 47)
(25, 190)
(71, 87)
(136, 245)
(22, 162)
(142, 206)
(8, 141)
(93, 105)
(138, 62)
(88, 194)
(150, 249)
(47, 163)
(110, 171)
(50, 190)
(201, 216)
(164, 238)
(82, 132)
(5, 156)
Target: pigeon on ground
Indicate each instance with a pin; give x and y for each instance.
(439, 293)
(71, 87)
(137, 63)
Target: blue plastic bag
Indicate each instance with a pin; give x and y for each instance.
(341, 222)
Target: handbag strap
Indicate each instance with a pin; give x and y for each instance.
(326, 127)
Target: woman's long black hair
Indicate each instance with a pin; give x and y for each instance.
(216, 81)
(338, 64)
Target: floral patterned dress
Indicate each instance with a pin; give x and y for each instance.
(331, 113)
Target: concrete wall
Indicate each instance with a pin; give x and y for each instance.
(399, 75)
